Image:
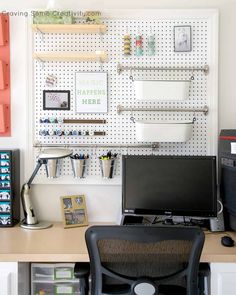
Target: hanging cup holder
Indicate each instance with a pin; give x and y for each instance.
(78, 167)
(107, 167)
(52, 168)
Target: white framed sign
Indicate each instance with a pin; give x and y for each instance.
(91, 90)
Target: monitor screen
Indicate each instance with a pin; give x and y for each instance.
(169, 185)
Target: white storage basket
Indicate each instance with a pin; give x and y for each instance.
(162, 90)
(163, 131)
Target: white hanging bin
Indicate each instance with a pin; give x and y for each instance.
(164, 131)
(170, 90)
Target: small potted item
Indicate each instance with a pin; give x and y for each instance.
(107, 165)
(78, 162)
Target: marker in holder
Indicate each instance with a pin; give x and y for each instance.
(78, 163)
(107, 164)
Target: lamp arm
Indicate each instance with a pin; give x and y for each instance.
(39, 164)
(30, 217)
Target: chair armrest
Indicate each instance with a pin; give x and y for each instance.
(82, 270)
(204, 270)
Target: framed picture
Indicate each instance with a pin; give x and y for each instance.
(56, 100)
(91, 92)
(182, 38)
(74, 211)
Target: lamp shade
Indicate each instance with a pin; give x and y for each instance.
(55, 153)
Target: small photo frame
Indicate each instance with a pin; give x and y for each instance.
(182, 38)
(74, 212)
(56, 100)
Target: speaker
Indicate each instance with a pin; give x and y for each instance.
(217, 223)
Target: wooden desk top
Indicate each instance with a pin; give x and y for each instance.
(57, 244)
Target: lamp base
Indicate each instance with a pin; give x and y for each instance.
(39, 225)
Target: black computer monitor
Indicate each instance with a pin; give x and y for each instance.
(169, 185)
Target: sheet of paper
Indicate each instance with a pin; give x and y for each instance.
(233, 147)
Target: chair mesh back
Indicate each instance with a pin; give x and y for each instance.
(124, 255)
(137, 259)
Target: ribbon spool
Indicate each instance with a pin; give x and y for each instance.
(127, 45)
(151, 45)
(139, 45)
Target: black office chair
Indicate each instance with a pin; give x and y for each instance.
(143, 260)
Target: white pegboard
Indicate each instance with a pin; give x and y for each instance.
(119, 128)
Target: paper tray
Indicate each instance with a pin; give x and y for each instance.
(164, 131)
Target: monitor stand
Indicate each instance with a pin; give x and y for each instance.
(131, 219)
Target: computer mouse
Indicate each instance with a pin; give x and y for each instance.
(227, 241)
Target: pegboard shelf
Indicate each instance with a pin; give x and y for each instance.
(98, 56)
(74, 28)
(89, 180)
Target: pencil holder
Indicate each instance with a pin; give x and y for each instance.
(52, 168)
(107, 167)
(78, 167)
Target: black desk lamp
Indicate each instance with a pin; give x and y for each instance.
(30, 221)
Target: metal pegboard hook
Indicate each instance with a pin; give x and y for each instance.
(192, 76)
(41, 34)
(41, 62)
(131, 75)
(101, 34)
(100, 63)
(132, 118)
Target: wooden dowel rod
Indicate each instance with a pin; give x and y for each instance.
(83, 121)
(100, 133)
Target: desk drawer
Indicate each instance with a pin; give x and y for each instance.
(54, 279)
